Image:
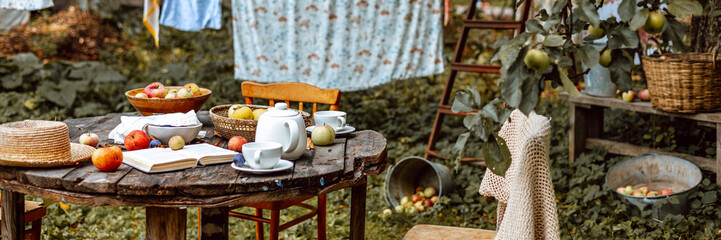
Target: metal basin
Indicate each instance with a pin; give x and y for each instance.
(656, 172)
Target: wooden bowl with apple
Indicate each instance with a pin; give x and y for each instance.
(159, 99)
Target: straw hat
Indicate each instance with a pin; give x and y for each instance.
(34, 143)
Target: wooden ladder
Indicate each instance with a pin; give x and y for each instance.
(456, 66)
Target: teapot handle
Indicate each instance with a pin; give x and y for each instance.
(293, 127)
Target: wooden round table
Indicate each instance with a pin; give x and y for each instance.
(214, 188)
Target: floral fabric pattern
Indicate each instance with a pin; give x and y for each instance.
(25, 4)
(345, 44)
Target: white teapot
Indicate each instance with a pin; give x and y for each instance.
(284, 126)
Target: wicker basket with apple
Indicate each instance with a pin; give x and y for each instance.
(156, 98)
(240, 119)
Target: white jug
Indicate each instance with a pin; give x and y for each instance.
(284, 126)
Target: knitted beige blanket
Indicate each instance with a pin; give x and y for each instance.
(526, 202)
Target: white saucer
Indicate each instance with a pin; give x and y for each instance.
(282, 165)
(338, 131)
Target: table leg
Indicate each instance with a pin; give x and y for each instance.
(586, 122)
(13, 215)
(357, 210)
(165, 223)
(213, 223)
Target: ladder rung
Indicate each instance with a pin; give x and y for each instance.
(497, 24)
(475, 68)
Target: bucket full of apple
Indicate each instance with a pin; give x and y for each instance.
(414, 185)
(649, 178)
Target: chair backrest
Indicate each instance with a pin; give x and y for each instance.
(291, 91)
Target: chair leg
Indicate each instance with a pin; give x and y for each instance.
(36, 229)
(274, 224)
(258, 224)
(321, 216)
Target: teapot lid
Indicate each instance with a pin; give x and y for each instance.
(281, 110)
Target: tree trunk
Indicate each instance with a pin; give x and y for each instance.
(705, 31)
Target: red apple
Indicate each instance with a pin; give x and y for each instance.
(434, 199)
(666, 192)
(236, 143)
(155, 90)
(137, 140)
(643, 95)
(107, 158)
(419, 189)
(427, 203)
(90, 139)
(415, 198)
(193, 88)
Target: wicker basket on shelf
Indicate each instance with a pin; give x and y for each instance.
(684, 83)
(228, 127)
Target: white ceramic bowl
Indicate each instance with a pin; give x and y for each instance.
(164, 133)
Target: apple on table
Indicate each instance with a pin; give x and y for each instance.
(107, 158)
(90, 139)
(137, 139)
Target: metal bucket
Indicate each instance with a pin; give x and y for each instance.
(411, 172)
(656, 172)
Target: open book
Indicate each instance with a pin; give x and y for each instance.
(154, 160)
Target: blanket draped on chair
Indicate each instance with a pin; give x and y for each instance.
(526, 200)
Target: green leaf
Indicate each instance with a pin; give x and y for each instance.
(558, 6)
(620, 69)
(490, 110)
(709, 197)
(533, 26)
(496, 155)
(512, 80)
(589, 12)
(12, 80)
(628, 38)
(62, 94)
(589, 55)
(674, 32)
(638, 20)
(554, 40)
(530, 91)
(684, 8)
(95, 71)
(674, 200)
(567, 84)
(476, 97)
(461, 143)
(462, 102)
(627, 9)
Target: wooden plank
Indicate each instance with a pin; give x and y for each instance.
(87, 178)
(165, 223)
(424, 231)
(718, 153)
(633, 150)
(326, 163)
(208, 180)
(586, 122)
(365, 148)
(639, 106)
(136, 182)
(13, 224)
(358, 210)
(213, 223)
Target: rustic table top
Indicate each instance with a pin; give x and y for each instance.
(319, 170)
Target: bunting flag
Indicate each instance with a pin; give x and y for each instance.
(151, 14)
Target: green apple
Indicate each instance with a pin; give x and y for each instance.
(322, 135)
(628, 96)
(399, 209)
(654, 23)
(242, 113)
(596, 31)
(184, 93)
(404, 200)
(429, 192)
(141, 95)
(411, 210)
(172, 93)
(628, 190)
(536, 59)
(258, 112)
(605, 59)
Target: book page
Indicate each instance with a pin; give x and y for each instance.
(149, 160)
(207, 153)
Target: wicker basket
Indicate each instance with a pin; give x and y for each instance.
(228, 127)
(684, 83)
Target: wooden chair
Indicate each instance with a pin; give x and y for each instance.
(34, 213)
(424, 231)
(287, 92)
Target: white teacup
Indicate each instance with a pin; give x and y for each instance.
(262, 155)
(335, 119)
